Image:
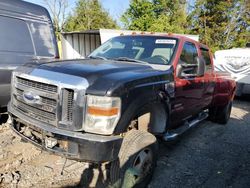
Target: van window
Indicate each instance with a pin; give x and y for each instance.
(41, 34)
(15, 36)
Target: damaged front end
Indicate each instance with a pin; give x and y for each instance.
(78, 146)
(47, 109)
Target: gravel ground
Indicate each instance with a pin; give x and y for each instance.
(209, 155)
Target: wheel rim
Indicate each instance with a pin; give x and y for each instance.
(143, 162)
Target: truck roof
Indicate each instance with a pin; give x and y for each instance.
(24, 8)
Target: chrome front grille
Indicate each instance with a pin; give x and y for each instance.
(37, 85)
(67, 111)
(36, 113)
(48, 107)
(44, 100)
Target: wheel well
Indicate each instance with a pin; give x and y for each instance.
(152, 118)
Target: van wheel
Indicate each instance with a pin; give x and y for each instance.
(136, 162)
(221, 114)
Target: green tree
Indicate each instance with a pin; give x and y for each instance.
(220, 24)
(89, 14)
(171, 16)
(242, 31)
(156, 15)
(139, 16)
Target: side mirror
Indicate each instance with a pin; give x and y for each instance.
(197, 69)
(185, 70)
(201, 66)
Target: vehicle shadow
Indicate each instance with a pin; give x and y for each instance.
(98, 176)
(245, 97)
(88, 176)
(3, 115)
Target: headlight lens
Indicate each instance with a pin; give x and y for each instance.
(102, 114)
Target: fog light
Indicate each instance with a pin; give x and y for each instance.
(50, 142)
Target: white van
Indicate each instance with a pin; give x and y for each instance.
(237, 63)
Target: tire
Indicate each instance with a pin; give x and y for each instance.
(137, 160)
(222, 114)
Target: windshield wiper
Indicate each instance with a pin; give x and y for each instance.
(129, 59)
(97, 57)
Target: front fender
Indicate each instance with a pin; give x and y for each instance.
(136, 101)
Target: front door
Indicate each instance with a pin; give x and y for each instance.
(189, 87)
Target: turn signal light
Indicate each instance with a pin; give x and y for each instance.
(96, 111)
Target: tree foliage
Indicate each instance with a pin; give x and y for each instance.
(156, 15)
(89, 14)
(221, 24)
(170, 16)
(139, 16)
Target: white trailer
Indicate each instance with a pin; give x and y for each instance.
(237, 63)
(81, 44)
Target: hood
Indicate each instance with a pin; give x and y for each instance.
(103, 75)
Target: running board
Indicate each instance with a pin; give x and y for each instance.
(173, 134)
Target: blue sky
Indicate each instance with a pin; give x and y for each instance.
(115, 7)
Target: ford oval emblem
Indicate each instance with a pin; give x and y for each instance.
(31, 98)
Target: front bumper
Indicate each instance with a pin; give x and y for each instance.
(73, 145)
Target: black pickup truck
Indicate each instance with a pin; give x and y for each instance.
(112, 106)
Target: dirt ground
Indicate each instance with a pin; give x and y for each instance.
(209, 155)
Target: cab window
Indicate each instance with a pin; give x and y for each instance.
(189, 53)
(206, 56)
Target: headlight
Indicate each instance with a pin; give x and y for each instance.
(102, 114)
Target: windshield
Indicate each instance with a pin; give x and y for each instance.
(149, 49)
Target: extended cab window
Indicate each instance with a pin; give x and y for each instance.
(206, 56)
(17, 32)
(150, 49)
